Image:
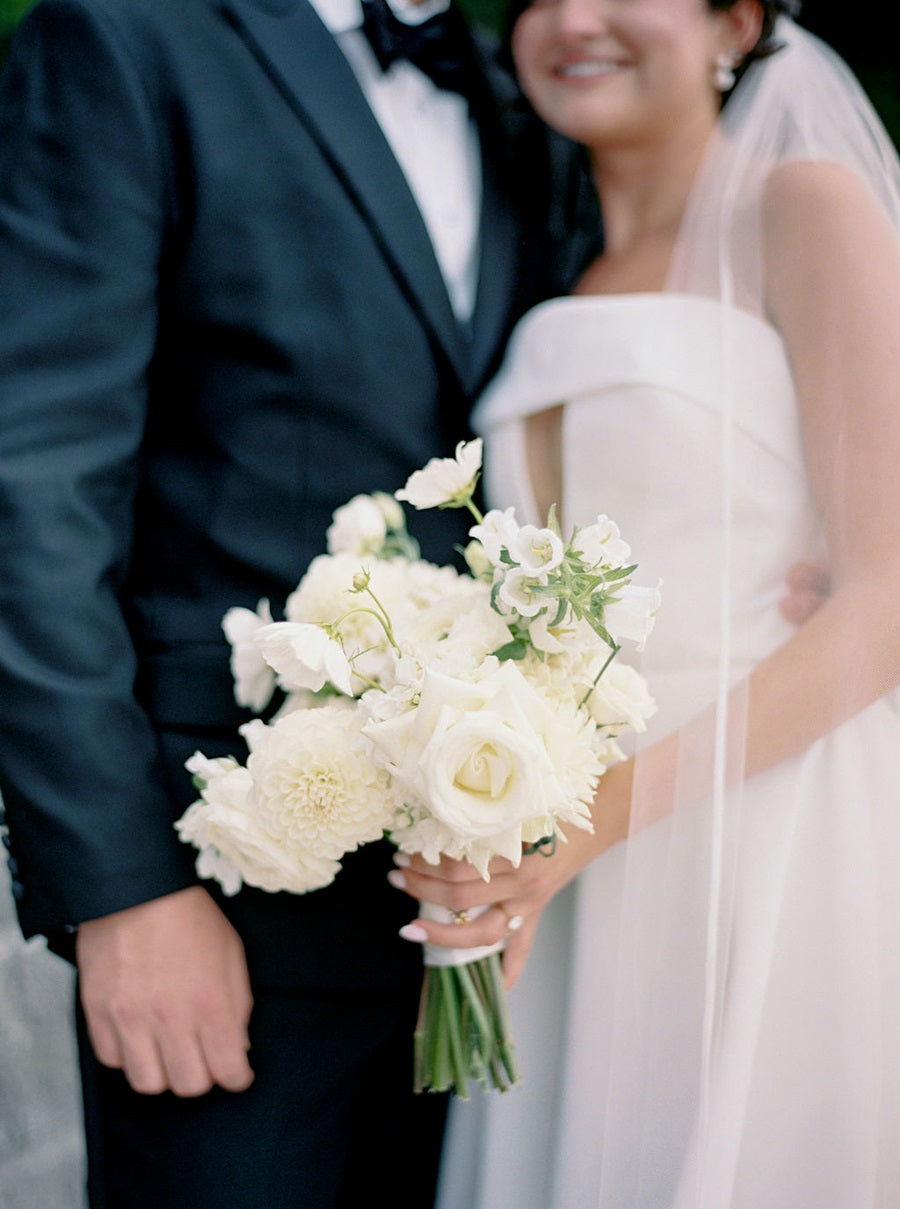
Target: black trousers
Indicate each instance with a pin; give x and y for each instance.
(329, 1123)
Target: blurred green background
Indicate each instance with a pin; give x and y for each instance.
(863, 32)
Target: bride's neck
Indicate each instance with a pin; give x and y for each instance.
(644, 189)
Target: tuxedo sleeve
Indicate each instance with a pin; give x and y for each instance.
(84, 200)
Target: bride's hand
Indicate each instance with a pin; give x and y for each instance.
(515, 896)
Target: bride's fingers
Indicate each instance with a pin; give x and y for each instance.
(465, 930)
(451, 870)
(517, 949)
(463, 893)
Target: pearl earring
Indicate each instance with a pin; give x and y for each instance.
(723, 76)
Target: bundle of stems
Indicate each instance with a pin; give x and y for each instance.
(463, 1031)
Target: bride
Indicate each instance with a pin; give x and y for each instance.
(709, 1017)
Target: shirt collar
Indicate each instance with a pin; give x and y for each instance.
(342, 15)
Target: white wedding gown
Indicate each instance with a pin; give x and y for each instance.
(633, 1096)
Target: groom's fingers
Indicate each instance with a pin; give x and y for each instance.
(166, 995)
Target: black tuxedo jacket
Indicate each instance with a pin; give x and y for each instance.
(220, 318)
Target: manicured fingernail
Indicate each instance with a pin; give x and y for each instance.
(414, 932)
(401, 859)
(397, 880)
(515, 923)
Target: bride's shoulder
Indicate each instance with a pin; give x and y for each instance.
(822, 204)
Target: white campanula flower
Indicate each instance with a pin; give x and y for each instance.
(601, 544)
(572, 636)
(358, 527)
(254, 680)
(305, 656)
(496, 533)
(537, 551)
(519, 592)
(445, 481)
(632, 614)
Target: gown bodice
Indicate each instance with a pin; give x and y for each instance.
(646, 389)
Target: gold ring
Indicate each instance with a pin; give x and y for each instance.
(460, 917)
(513, 922)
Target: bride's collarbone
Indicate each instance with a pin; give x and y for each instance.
(635, 271)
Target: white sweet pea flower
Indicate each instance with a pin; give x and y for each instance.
(254, 680)
(393, 515)
(305, 656)
(537, 551)
(445, 481)
(602, 544)
(477, 560)
(358, 527)
(632, 614)
(496, 533)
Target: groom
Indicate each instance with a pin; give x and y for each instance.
(251, 267)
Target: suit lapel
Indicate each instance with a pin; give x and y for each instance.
(500, 236)
(309, 67)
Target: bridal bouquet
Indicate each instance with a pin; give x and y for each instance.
(466, 715)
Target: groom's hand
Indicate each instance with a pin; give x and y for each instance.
(166, 995)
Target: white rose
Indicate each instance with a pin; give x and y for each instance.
(444, 481)
(621, 699)
(456, 632)
(254, 680)
(358, 527)
(476, 756)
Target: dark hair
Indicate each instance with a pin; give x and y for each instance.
(765, 44)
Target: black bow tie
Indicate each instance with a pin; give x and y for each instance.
(438, 46)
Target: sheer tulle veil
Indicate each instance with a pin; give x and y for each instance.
(710, 1017)
(702, 1015)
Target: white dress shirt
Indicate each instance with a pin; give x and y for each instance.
(432, 136)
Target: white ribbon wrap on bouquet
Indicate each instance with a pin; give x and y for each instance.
(438, 955)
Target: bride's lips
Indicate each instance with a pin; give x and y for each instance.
(587, 68)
